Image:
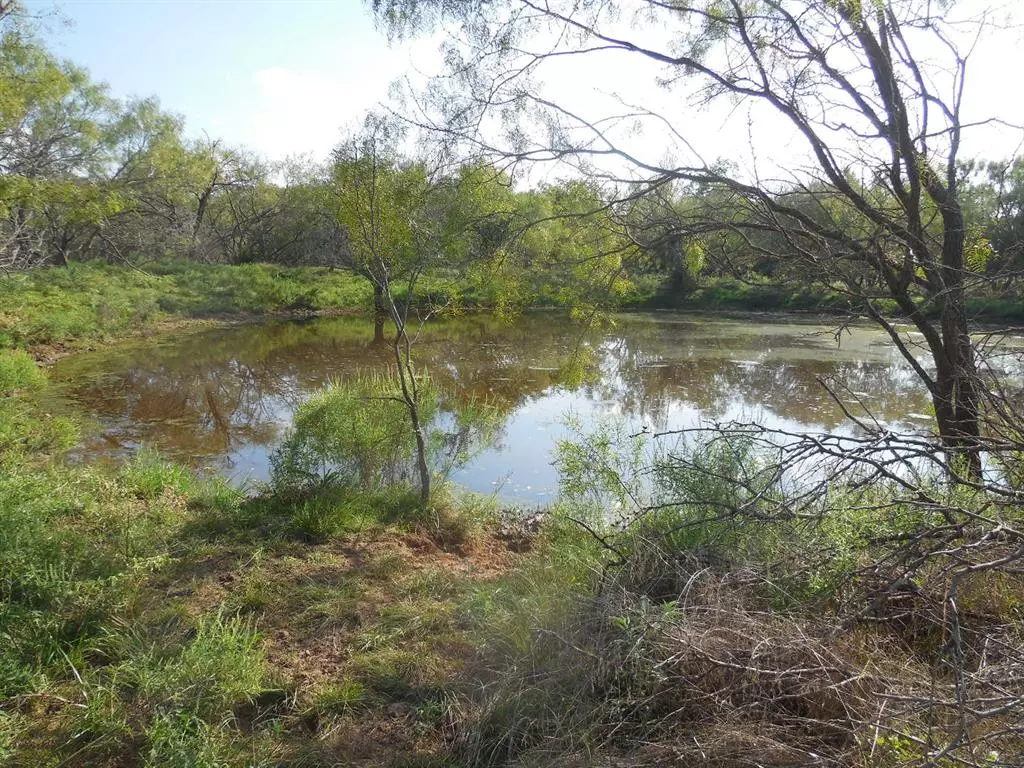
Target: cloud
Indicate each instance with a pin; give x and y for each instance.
(297, 112)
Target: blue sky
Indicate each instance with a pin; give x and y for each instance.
(280, 77)
(285, 77)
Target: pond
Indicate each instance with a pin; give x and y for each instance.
(223, 399)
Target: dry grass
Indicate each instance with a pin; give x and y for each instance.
(716, 675)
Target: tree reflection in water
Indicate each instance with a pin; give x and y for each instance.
(223, 398)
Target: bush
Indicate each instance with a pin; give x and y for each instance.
(318, 518)
(356, 434)
(711, 678)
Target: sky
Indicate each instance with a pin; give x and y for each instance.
(287, 77)
(280, 78)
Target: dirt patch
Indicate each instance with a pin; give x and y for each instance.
(312, 602)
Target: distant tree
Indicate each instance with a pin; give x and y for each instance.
(55, 136)
(995, 209)
(83, 175)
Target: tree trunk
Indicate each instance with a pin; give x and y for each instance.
(410, 394)
(380, 314)
(421, 464)
(197, 223)
(957, 389)
(957, 398)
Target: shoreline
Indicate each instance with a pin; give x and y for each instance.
(49, 353)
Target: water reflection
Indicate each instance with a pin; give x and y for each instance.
(224, 398)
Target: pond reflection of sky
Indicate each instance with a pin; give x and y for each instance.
(223, 399)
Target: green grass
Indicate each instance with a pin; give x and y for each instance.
(150, 628)
(152, 617)
(19, 373)
(90, 301)
(341, 698)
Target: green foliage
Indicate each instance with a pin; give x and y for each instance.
(993, 201)
(765, 295)
(76, 547)
(320, 517)
(214, 496)
(11, 726)
(355, 433)
(82, 303)
(380, 201)
(197, 290)
(71, 544)
(656, 502)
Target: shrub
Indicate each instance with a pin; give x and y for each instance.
(354, 434)
(700, 680)
(319, 517)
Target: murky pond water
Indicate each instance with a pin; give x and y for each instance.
(222, 399)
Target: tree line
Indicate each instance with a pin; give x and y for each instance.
(87, 176)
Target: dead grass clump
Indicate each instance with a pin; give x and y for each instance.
(712, 676)
(958, 697)
(684, 662)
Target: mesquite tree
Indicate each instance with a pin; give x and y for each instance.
(383, 205)
(873, 90)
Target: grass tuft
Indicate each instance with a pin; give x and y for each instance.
(19, 373)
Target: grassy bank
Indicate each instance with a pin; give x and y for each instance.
(58, 309)
(151, 617)
(74, 306)
(730, 295)
(83, 303)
